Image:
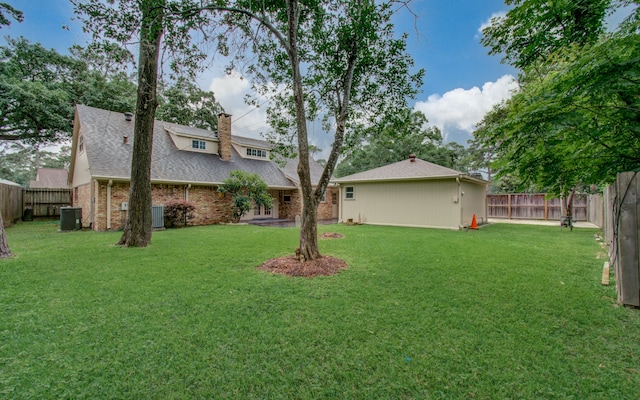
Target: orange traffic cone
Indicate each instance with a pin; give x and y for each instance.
(474, 223)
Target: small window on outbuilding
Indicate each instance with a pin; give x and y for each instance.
(349, 192)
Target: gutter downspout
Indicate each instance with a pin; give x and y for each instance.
(186, 192)
(92, 204)
(109, 204)
(459, 202)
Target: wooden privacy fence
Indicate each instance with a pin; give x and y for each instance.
(46, 202)
(10, 203)
(534, 206)
(622, 234)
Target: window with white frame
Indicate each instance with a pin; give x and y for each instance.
(81, 144)
(198, 144)
(256, 153)
(349, 192)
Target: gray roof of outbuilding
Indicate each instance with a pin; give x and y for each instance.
(52, 178)
(109, 157)
(403, 170)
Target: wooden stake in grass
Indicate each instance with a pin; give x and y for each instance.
(605, 274)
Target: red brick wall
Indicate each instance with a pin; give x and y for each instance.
(289, 210)
(82, 199)
(325, 208)
(211, 206)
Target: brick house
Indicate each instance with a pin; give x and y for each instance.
(186, 164)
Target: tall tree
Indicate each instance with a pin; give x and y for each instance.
(185, 103)
(18, 16)
(337, 59)
(575, 119)
(394, 141)
(137, 229)
(35, 98)
(152, 20)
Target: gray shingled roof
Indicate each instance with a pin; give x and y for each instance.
(402, 170)
(52, 178)
(109, 157)
(291, 170)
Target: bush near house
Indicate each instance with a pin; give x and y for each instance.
(178, 213)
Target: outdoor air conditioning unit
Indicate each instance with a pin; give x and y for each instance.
(157, 217)
(70, 218)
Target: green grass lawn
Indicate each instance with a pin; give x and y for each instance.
(504, 312)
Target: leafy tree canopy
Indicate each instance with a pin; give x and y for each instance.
(5, 9)
(534, 29)
(185, 103)
(395, 141)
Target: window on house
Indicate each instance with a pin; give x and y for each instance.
(256, 153)
(323, 198)
(256, 210)
(334, 198)
(349, 193)
(286, 198)
(81, 144)
(267, 211)
(198, 144)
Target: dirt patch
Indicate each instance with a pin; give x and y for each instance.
(331, 235)
(290, 265)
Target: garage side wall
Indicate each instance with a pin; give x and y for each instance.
(432, 203)
(474, 201)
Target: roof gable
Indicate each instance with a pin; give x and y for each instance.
(109, 155)
(52, 178)
(405, 169)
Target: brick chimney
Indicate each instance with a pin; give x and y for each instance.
(412, 157)
(224, 136)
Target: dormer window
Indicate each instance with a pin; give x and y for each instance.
(198, 144)
(256, 153)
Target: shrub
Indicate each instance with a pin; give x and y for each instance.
(178, 213)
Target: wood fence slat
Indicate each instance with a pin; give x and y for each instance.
(534, 206)
(627, 279)
(46, 202)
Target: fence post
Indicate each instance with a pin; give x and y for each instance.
(509, 206)
(627, 278)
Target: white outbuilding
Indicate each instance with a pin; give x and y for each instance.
(413, 193)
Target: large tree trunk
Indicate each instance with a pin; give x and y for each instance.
(137, 230)
(4, 245)
(309, 227)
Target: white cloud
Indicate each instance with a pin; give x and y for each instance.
(459, 110)
(230, 91)
(488, 23)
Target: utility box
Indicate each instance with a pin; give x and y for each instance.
(157, 217)
(70, 218)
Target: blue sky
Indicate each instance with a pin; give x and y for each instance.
(462, 82)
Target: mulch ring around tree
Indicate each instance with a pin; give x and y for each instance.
(292, 266)
(331, 235)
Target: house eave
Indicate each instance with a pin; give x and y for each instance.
(177, 182)
(416, 178)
